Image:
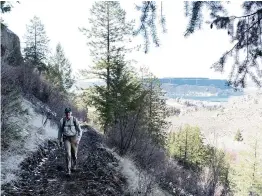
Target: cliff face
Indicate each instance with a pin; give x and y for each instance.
(10, 47)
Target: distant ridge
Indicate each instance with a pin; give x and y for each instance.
(187, 78)
(217, 83)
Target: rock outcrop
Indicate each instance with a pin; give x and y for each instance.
(10, 47)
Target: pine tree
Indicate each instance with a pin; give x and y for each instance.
(126, 98)
(36, 49)
(187, 146)
(124, 88)
(238, 136)
(156, 108)
(215, 160)
(247, 172)
(59, 70)
(107, 39)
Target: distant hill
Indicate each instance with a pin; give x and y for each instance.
(176, 81)
(83, 84)
(217, 83)
(204, 89)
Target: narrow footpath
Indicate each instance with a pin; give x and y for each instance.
(43, 173)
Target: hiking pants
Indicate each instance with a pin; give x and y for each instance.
(71, 151)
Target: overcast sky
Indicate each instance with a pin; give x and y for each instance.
(176, 57)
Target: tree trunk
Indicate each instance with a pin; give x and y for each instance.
(185, 155)
(107, 70)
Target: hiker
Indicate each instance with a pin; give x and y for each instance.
(70, 133)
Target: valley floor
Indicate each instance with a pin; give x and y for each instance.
(219, 126)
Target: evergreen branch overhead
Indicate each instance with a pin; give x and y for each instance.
(245, 33)
(148, 28)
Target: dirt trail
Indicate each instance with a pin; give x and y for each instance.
(96, 175)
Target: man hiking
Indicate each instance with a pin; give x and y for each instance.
(70, 133)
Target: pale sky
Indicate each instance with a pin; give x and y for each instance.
(176, 57)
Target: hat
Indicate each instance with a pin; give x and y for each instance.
(67, 110)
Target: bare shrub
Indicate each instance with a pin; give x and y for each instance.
(172, 111)
(178, 180)
(10, 104)
(130, 136)
(53, 98)
(9, 132)
(23, 80)
(123, 133)
(146, 184)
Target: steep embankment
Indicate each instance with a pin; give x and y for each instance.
(36, 165)
(34, 130)
(43, 172)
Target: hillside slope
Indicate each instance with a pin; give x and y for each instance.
(34, 130)
(35, 165)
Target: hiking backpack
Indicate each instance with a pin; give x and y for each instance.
(64, 121)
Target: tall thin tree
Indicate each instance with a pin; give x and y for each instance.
(60, 70)
(36, 50)
(107, 39)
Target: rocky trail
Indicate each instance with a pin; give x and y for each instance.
(43, 173)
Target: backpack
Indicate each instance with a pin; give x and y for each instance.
(64, 121)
